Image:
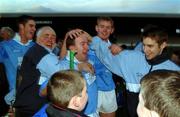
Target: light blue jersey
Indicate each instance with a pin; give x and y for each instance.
(129, 64)
(11, 54)
(50, 64)
(104, 78)
(139, 46)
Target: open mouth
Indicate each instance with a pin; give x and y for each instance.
(31, 33)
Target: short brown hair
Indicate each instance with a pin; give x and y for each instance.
(161, 92)
(23, 19)
(105, 19)
(63, 85)
(156, 33)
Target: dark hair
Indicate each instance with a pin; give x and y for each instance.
(156, 33)
(23, 19)
(69, 41)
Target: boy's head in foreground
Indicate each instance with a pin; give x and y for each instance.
(67, 89)
(160, 94)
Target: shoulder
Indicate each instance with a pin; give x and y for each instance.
(172, 65)
(6, 43)
(36, 53)
(37, 49)
(168, 65)
(132, 53)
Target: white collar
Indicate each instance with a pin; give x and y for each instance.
(17, 38)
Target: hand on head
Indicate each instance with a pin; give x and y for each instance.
(76, 33)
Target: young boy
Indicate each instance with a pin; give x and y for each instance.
(66, 91)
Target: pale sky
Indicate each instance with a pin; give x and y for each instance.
(92, 6)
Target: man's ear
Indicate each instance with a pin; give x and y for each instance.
(112, 30)
(163, 45)
(21, 30)
(21, 26)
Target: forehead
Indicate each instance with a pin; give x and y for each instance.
(48, 32)
(149, 41)
(32, 22)
(105, 22)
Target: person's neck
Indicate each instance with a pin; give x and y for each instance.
(24, 41)
(106, 40)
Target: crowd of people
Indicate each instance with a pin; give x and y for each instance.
(75, 79)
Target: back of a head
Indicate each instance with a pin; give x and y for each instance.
(161, 92)
(156, 33)
(7, 33)
(64, 85)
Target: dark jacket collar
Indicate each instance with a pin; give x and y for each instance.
(55, 111)
(159, 59)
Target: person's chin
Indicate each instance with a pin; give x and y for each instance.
(30, 36)
(148, 58)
